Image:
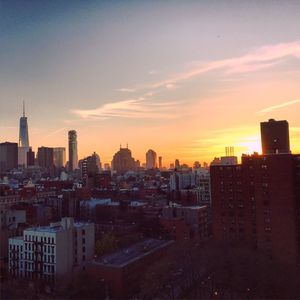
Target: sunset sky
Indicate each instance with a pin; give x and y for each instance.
(185, 78)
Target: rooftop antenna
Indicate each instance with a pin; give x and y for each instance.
(127, 145)
(23, 108)
(120, 146)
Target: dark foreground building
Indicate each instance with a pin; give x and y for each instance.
(123, 270)
(258, 201)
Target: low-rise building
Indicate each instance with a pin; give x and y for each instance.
(122, 270)
(48, 252)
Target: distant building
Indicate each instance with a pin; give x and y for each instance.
(30, 157)
(275, 137)
(196, 165)
(177, 164)
(179, 181)
(151, 159)
(89, 167)
(106, 166)
(228, 159)
(138, 164)
(59, 157)
(22, 156)
(160, 165)
(8, 156)
(49, 252)
(123, 161)
(73, 151)
(23, 130)
(45, 157)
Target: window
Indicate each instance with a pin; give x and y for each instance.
(83, 257)
(83, 240)
(83, 232)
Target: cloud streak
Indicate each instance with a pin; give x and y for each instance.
(126, 90)
(131, 108)
(258, 59)
(278, 106)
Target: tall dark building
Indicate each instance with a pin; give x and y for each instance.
(23, 132)
(73, 152)
(89, 167)
(275, 137)
(45, 157)
(30, 157)
(8, 156)
(258, 201)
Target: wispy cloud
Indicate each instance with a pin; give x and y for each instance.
(53, 133)
(278, 106)
(255, 60)
(131, 108)
(126, 90)
(258, 59)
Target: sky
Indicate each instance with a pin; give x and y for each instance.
(184, 78)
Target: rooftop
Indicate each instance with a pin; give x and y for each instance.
(55, 228)
(127, 255)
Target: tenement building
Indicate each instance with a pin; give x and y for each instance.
(50, 252)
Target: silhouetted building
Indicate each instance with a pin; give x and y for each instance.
(73, 151)
(89, 167)
(45, 157)
(258, 201)
(151, 159)
(177, 164)
(8, 156)
(123, 161)
(59, 157)
(30, 157)
(23, 132)
(275, 137)
(160, 162)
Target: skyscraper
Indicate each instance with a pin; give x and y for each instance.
(73, 152)
(23, 140)
(151, 162)
(23, 132)
(59, 156)
(275, 137)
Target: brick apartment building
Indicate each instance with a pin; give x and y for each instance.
(258, 201)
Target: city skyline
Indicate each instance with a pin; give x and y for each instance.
(180, 78)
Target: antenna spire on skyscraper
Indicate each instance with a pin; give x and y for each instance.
(23, 108)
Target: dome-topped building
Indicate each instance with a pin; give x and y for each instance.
(123, 161)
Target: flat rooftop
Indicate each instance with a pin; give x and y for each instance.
(128, 255)
(56, 228)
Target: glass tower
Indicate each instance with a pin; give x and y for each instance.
(23, 132)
